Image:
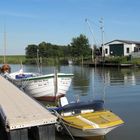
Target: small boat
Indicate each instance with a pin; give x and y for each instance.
(86, 119)
(47, 87)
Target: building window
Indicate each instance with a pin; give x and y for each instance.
(136, 49)
(106, 51)
(127, 50)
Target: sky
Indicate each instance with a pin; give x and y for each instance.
(58, 21)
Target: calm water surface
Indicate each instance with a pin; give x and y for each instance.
(120, 89)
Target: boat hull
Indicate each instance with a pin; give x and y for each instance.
(49, 98)
(91, 132)
(43, 87)
(89, 124)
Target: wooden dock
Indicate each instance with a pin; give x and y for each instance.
(102, 64)
(20, 113)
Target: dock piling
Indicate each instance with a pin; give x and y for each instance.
(20, 134)
(46, 132)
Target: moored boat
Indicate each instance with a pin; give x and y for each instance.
(86, 119)
(47, 87)
(92, 123)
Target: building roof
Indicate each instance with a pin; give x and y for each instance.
(125, 41)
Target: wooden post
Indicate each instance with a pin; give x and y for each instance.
(19, 134)
(45, 132)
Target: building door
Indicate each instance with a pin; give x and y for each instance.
(116, 49)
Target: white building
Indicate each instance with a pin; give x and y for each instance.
(121, 48)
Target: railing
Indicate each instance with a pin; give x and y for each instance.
(135, 54)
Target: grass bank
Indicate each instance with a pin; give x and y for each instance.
(123, 60)
(13, 59)
(17, 59)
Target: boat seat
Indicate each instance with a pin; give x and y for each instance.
(87, 111)
(63, 101)
(67, 113)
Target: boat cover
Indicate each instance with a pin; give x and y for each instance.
(21, 76)
(78, 106)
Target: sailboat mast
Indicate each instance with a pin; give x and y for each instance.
(38, 65)
(5, 68)
(102, 35)
(4, 57)
(92, 45)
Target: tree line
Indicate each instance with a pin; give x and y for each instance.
(79, 48)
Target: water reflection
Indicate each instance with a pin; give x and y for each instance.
(113, 76)
(92, 138)
(91, 83)
(61, 137)
(81, 80)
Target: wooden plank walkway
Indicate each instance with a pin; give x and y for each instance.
(18, 110)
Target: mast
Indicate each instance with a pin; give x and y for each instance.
(103, 55)
(102, 37)
(5, 45)
(5, 68)
(86, 20)
(38, 65)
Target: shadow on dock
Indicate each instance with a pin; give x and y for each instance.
(3, 134)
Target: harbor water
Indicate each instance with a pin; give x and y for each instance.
(119, 88)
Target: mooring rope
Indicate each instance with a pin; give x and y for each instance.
(59, 116)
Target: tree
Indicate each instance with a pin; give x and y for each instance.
(43, 49)
(80, 46)
(31, 51)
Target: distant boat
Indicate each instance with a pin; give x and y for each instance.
(70, 62)
(85, 119)
(47, 87)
